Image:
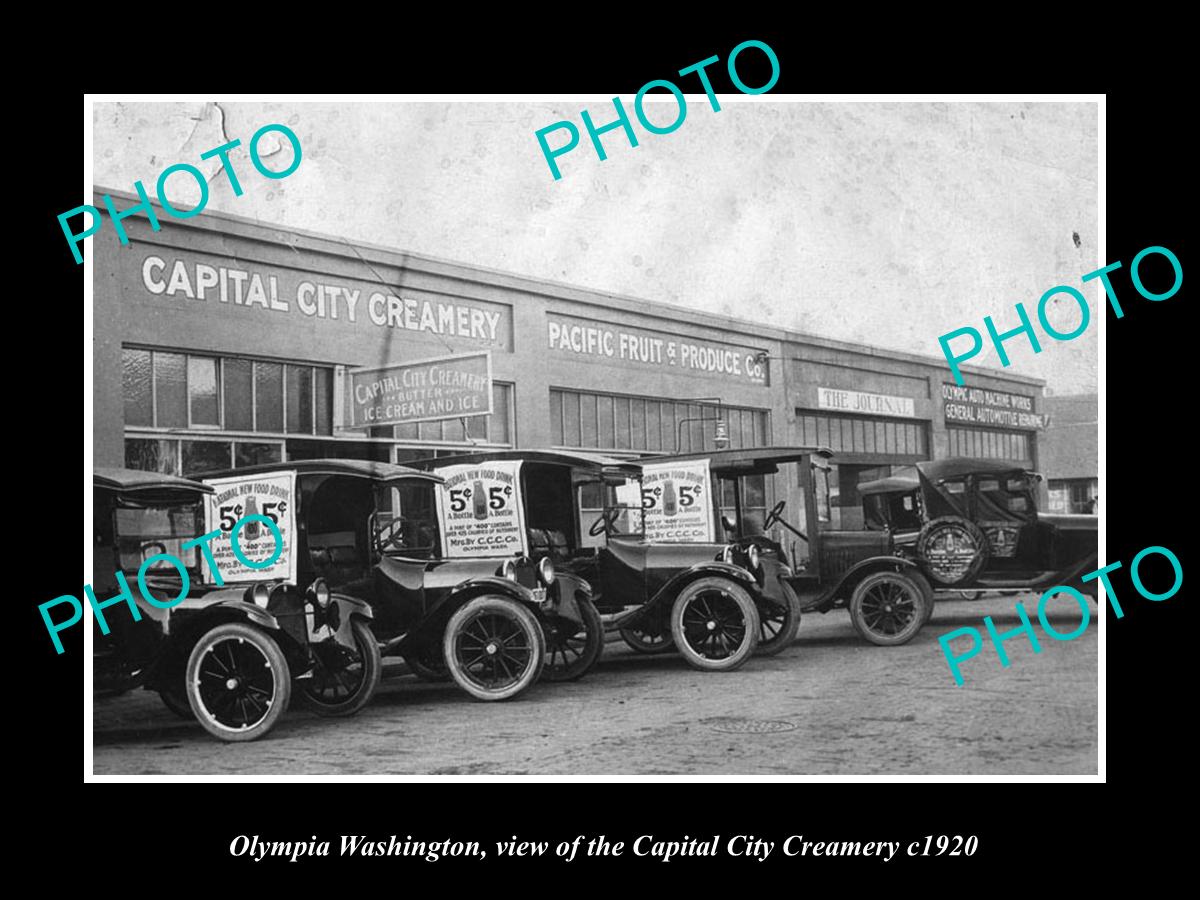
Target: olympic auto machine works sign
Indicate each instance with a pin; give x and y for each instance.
(977, 406)
(676, 502)
(446, 388)
(234, 498)
(480, 510)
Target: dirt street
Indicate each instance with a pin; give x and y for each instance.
(830, 704)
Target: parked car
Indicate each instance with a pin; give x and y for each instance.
(798, 559)
(972, 525)
(491, 510)
(586, 513)
(372, 531)
(226, 656)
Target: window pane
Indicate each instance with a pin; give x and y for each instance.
(920, 439)
(430, 431)
(637, 432)
(253, 454)
(604, 408)
(452, 430)
(476, 427)
(152, 455)
(170, 386)
(587, 415)
(621, 412)
(135, 385)
(762, 428)
(202, 390)
(869, 437)
(859, 443)
(299, 400)
(324, 391)
(556, 428)
(653, 425)
(571, 432)
(239, 415)
(498, 430)
(268, 402)
(202, 456)
(822, 431)
(406, 433)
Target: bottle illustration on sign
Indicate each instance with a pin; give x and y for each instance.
(251, 531)
(480, 498)
(670, 505)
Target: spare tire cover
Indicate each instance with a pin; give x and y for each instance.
(952, 550)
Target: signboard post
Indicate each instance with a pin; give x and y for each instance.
(677, 502)
(449, 387)
(271, 495)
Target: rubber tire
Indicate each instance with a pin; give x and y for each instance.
(633, 639)
(176, 703)
(971, 596)
(902, 637)
(786, 635)
(513, 610)
(424, 671)
(279, 667)
(593, 649)
(364, 638)
(749, 614)
(977, 562)
(930, 600)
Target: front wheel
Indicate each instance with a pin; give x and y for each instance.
(715, 624)
(494, 648)
(238, 683)
(571, 649)
(888, 608)
(344, 679)
(778, 625)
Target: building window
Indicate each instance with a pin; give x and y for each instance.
(1074, 495)
(624, 424)
(194, 391)
(187, 456)
(979, 443)
(872, 437)
(495, 429)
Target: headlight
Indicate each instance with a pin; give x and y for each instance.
(262, 593)
(545, 571)
(727, 554)
(509, 570)
(320, 593)
(752, 555)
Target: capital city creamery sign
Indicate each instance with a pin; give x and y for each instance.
(446, 388)
(201, 280)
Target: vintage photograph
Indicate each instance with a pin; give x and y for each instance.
(426, 441)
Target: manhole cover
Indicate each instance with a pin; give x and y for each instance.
(751, 726)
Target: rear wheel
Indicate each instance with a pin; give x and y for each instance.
(778, 625)
(647, 637)
(175, 699)
(428, 663)
(714, 624)
(494, 648)
(572, 649)
(888, 608)
(238, 682)
(344, 679)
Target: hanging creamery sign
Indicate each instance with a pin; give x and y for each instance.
(447, 388)
(202, 279)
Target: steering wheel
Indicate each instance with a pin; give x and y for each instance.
(774, 516)
(389, 535)
(604, 522)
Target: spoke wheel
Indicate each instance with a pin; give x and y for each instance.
(889, 608)
(778, 623)
(238, 682)
(344, 679)
(428, 663)
(494, 648)
(647, 637)
(572, 649)
(715, 624)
